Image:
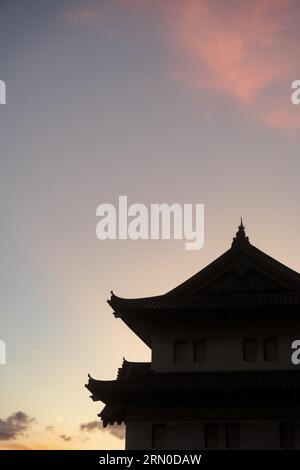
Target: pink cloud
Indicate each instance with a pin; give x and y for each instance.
(247, 49)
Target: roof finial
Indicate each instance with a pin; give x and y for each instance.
(240, 236)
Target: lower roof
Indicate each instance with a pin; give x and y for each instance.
(136, 381)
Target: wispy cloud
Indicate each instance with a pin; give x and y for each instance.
(246, 49)
(66, 438)
(14, 447)
(85, 14)
(117, 430)
(50, 429)
(92, 426)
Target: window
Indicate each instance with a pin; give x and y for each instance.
(199, 351)
(232, 436)
(180, 352)
(158, 436)
(250, 349)
(211, 436)
(270, 349)
(287, 435)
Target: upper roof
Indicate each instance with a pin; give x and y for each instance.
(243, 277)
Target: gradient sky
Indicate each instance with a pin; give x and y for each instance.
(160, 100)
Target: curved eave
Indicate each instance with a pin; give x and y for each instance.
(200, 303)
(120, 305)
(140, 315)
(191, 385)
(112, 414)
(101, 390)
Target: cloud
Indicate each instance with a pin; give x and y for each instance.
(15, 425)
(90, 426)
(50, 429)
(14, 447)
(88, 14)
(93, 10)
(248, 50)
(66, 438)
(115, 430)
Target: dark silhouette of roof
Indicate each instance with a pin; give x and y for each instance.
(138, 377)
(137, 381)
(243, 277)
(132, 369)
(212, 301)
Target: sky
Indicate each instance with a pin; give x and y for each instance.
(162, 101)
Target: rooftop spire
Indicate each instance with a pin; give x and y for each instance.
(240, 236)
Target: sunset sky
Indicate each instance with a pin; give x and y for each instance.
(184, 101)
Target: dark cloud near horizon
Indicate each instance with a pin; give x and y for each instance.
(117, 430)
(15, 425)
(92, 426)
(50, 428)
(66, 438)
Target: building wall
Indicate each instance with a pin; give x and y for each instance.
(190, 435)
(222, 353)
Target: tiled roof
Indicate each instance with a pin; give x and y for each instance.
(112, 413)
(268, 264)
(243, 279)
(136, 381)
(132, 369)
(196, 384)
(283, 288)
(203, 302)
(166, 387)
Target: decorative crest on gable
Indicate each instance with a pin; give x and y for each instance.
(240, 236)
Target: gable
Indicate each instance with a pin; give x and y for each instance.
(244, 279)
(242, 269)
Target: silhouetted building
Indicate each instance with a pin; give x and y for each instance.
(221, 374)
